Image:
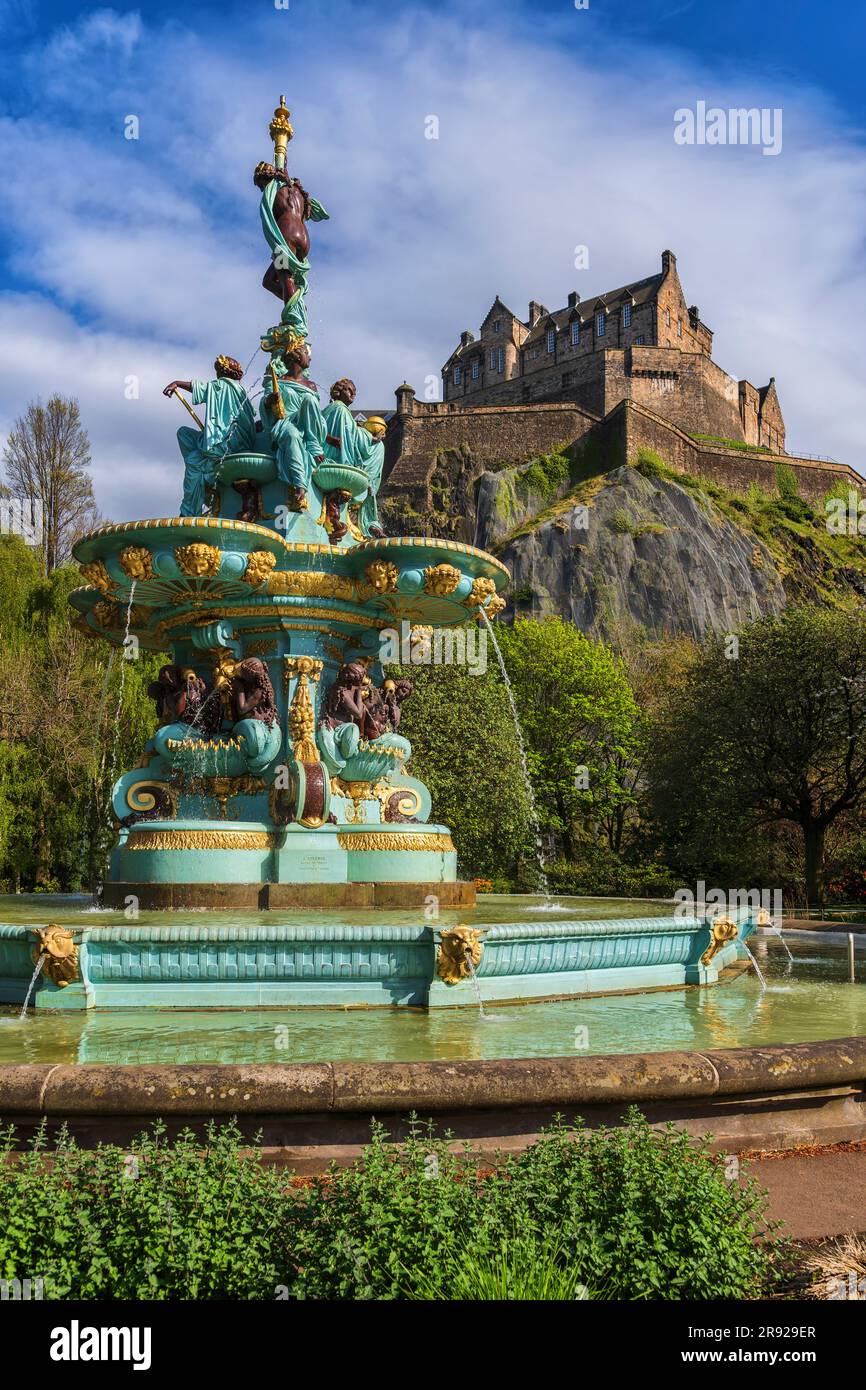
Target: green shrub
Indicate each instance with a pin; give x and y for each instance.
(195, 1221)
(545, 475)
(786, 481)
(628, 1213)
(651, 464)
(619, 522)
(599, 872)
(523, 1268)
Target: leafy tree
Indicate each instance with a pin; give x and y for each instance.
(774, 737)
(578, 712)
(47, 455)
(71, 718)
(465, 748)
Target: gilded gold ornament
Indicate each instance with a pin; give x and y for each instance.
(382, 576)
(441, 580)
(203, 839)
(259, 566)
(458, 946)
(312, 584)
(482, 590)
(106, 614)
(439, 843)
(137, 562)
(59, 954)
(722, 930)
(97, 576)
(198, 559)
(302, 714)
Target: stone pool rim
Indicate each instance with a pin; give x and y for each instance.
(56, 1088)
(309, 1113)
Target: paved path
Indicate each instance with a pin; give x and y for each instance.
(822, 1193)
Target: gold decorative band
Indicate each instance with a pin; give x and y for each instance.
(204, 839)
(399, 840)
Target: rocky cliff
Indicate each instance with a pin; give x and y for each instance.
(644, 546)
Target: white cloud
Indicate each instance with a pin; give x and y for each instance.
(154, 246)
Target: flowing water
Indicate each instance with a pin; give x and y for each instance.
(115, 733)
(521, 748)
(40, 961)
(771, 926)
(757, 967)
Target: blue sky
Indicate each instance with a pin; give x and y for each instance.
(142, 259)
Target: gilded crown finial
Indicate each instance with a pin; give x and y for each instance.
(281, 132)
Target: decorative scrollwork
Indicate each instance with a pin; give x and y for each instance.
(722, 930)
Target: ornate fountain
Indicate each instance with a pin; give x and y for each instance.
(277, 776)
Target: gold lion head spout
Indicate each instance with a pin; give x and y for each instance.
(459, 953)
(58, 952)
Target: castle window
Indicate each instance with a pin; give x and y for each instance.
(500, 359)
(668, 317)
(567, 378)
(639, 340)
(496, 324)
(493, 359)
(575, 334)
(457, 376)
(534, 353)
(679, 328)
(476, 369)
(599, 325)
(626, 316)
(551, 340)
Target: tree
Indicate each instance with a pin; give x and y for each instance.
(579, 719)
(46, 457)
(773, 736)
(59, 739)
(465, 749)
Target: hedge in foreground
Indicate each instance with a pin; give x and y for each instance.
(629, 1213)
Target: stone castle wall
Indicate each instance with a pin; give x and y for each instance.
(734, 469)
(484, 437)
(688, 388)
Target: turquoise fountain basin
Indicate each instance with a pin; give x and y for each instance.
(808, 1000)
(382, 959)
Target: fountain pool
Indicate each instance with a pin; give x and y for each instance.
(808, 999)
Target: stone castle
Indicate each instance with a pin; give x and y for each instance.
(639, 343)
(604, 376)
